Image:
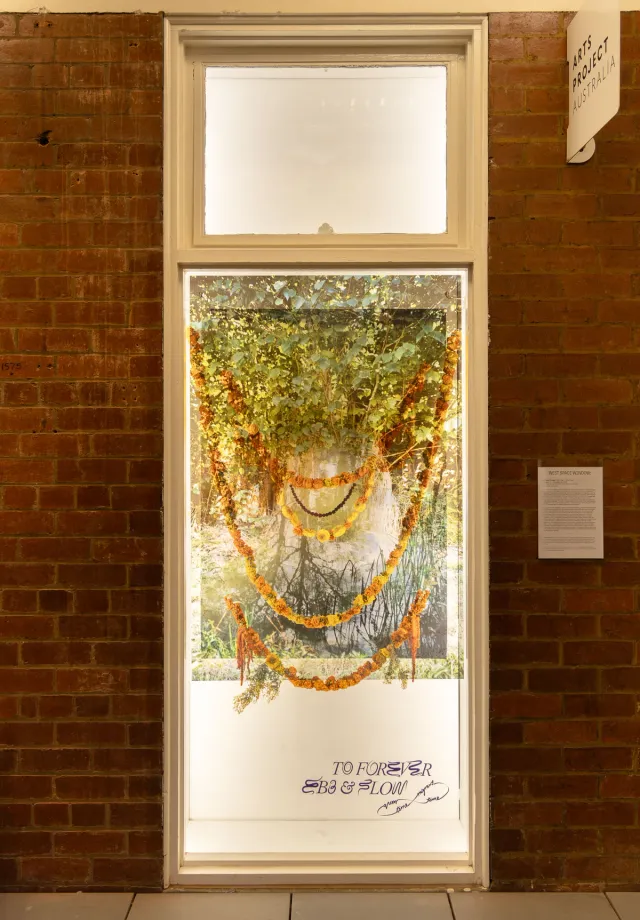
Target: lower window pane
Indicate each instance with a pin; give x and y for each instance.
(327, 702)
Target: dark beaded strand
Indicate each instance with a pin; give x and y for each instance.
(326, 513)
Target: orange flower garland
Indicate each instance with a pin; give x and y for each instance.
(278, 604)
(332, 533)
(250, 643)
(340, 479)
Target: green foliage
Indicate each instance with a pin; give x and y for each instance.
(217, 641)
(261, 682)
(447, 668)
(396, 670)
(330, 358)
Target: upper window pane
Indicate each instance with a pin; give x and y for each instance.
(325, 149)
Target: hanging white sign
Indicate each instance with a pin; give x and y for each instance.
(593, 52)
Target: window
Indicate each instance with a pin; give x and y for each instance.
(325, 150)
(326, 422)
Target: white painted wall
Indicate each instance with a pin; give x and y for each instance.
(271, 7)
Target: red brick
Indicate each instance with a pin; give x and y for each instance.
(23, 843)
(602, 704)
(621, 732)
(521, 705)
(91, 470)
(135, 815)
(507, 23)
(598, 652)
(91, 680)
(561, 732)
(145, 843)
(88, 815)
(620, 787)
(14, 815)
(55, 707)
(145, 787)
(528, 652)
(22, 734)
(80, 576)
(132, 706)
(7, 24)
(92, 522)
(25, 51)
(534, 600)
(597, 814)
(136, 872)
(598, 759)
(30, 627)
(50, 871)
(29, 680)
(94, 627)
(506, 48)
(561, 626)
(619, 679)
(621, 573)
(93, 733)
(89, 788)
(129, 760)
(563, 680)
(26, 787)
(88, 842)
(562, 841)
(51, 814)
(596, 600)
(565, 787)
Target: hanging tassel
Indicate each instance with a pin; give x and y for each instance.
(415, 642)
(415, 612)
(244, 652)
(240, 653)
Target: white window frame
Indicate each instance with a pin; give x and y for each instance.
(461, 42)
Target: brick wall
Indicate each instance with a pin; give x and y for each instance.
(80, 451)
(80, 460)
(564, 388)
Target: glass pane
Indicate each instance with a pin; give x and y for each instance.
(325, 149)
(326, 555)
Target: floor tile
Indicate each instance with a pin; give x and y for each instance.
(196, 906)
(385, 905)
(81, 906)
(626, 903)
(531, 906)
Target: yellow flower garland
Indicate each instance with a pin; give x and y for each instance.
(324, 535)
(278, 604)
(250, 643)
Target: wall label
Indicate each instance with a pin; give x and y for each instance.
(570, 509)
(593, 52)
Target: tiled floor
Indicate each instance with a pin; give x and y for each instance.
(329, 906)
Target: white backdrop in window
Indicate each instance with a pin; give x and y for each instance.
(319, 149)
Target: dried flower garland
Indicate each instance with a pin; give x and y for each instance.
(278, 604)
(249, 644)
